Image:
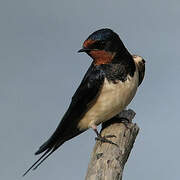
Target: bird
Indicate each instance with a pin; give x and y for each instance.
(108, 86)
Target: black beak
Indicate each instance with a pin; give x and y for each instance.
(84, 50)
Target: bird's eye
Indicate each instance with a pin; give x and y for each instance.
(100, 44)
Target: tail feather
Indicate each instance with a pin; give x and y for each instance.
(43, 147)
(52, 144)
(37, 165)
(48, 150)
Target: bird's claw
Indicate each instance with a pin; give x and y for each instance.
(126, 122)
(105, 140)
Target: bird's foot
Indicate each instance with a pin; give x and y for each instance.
(126, 122)
(105, 140)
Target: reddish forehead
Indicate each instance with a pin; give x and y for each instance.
(88, 42)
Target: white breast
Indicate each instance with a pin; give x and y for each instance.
(113, 98)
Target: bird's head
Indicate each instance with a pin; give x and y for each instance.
(102, 46)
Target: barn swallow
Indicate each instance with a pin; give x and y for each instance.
(107, 88)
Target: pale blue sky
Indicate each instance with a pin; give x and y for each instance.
(40, 70)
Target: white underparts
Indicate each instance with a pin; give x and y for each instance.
(112, 99)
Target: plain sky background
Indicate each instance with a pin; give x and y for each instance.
(40, 70)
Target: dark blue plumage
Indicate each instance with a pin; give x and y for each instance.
(103, 34)
(111, 61)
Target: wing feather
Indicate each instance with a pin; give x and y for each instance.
(67, 128)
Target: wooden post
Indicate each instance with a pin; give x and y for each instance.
(107, 160)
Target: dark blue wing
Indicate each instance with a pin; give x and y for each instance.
(86, 92)
(67, 129)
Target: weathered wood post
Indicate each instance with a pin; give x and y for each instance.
(107, 160)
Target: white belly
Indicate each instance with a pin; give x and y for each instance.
(112, 100)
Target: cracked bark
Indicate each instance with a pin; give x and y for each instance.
(107, 160)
